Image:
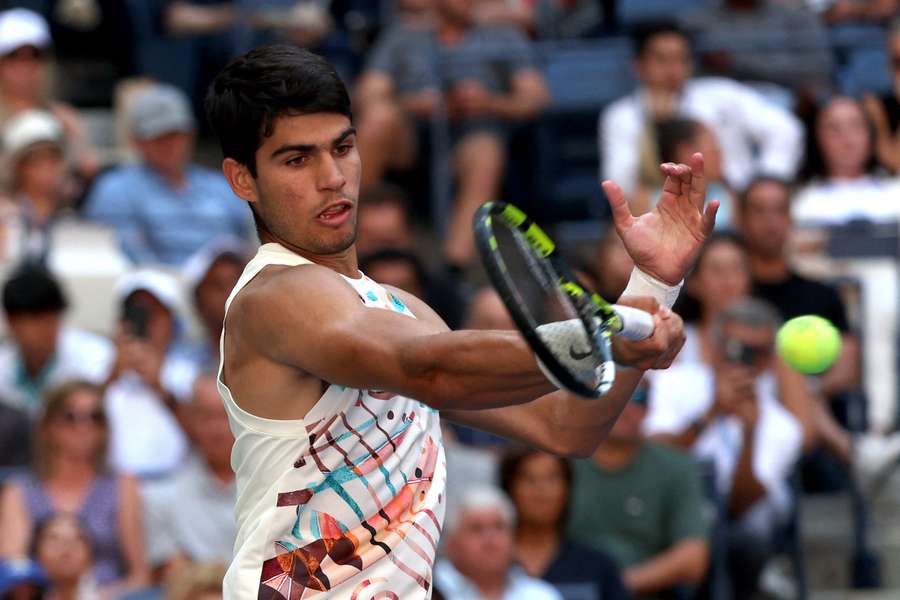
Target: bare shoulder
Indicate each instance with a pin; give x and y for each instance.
(418, 307)
(290, 287)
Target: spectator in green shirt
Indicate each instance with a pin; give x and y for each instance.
(643, 503)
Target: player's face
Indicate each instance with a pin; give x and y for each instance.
(722, 276)
(766, 218)
(665, 63)
(307, 183)
(539, 490)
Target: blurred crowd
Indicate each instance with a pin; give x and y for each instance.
(120, 242)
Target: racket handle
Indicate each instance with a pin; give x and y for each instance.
(636, 324)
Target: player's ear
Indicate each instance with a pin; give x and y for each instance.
(241, 180)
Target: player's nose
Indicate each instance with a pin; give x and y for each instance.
(330, 175)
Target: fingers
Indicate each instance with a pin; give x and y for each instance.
(709, 216)
(697, 181)
(621, 212)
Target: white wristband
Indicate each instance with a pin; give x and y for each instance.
(641, 284)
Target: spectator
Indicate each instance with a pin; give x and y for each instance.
(22, 580)
(841, 165)
(741, 118)
(70, 476)
(165, 208)
(545, 19)
(42, 352)
(210, 275)
(884, 111)
(24, 47)
(800, 59)
(677, 139)
(540, 485)
(382, 220)
(62, 546)
(487, 79)
(479, 564)
(149, 377)
(642, 502)
(199, 582)
(38, 193)
(189, 515)
(729, 401)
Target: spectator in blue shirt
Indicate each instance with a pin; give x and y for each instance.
(164, 208)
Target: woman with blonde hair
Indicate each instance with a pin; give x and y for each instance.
(70, 476)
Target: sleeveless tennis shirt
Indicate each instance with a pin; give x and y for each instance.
(345, 503)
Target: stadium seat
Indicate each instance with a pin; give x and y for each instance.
(633, 13)
(583, 77)
(866, 70)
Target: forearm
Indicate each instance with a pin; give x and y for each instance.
(516, 106)
(472, 370)
(684, 563)
(844, 373)
(746, 490)
(560, 422)
(184, 18)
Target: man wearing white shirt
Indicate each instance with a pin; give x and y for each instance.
(149, 379)
(756, 136)
(478, 536)
(41, 351)
(729, 413)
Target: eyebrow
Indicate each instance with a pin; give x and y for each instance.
(305, 148)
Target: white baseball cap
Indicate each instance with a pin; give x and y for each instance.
(21, 27)
(163, 286)
(29, 128)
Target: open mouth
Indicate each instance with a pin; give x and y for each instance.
(336, 213)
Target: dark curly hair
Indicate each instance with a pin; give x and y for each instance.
(253, 90)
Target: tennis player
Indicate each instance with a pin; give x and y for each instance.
(334, 384)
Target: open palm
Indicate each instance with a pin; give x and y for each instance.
(665, 241)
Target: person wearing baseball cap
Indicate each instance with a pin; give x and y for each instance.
(165, 208)
(25, 45)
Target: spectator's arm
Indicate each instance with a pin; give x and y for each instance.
(87, 161)
(778, 133)
(187, 18)
(131, 534)
(377, 86)
(15, 523)
(844, 373)
(527, 97)
(684, 563)
(746, 489)
(795, 395)
(855, 10)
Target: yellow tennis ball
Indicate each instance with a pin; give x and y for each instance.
(809, 344)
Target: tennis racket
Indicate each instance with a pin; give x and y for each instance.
(568, 327)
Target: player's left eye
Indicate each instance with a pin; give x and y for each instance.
(343, 149)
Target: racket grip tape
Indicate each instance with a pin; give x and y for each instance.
(636, 324)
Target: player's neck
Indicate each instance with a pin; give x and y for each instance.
(768, 269)
(343, 262)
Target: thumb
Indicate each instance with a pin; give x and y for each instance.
(621, 212)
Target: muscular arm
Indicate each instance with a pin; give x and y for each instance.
(309, 319)
(558, 422)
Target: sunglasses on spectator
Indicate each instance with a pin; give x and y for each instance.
(73, 417)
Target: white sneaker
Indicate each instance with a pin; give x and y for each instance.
(874, 458)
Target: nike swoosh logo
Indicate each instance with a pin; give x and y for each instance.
(578, 355)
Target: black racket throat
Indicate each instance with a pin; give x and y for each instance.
(540, 291)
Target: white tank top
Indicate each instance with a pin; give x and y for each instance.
(348, 501)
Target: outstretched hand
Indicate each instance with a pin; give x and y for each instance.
(665, 241)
